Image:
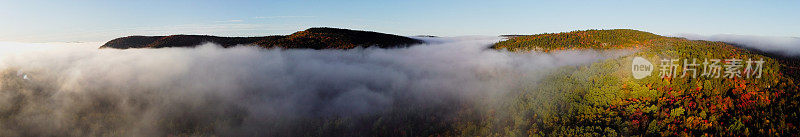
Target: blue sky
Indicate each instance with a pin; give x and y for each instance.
(92, 21)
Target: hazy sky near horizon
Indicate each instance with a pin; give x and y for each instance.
(94, 21)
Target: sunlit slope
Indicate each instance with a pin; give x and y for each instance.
(604, 99)
(595, 39)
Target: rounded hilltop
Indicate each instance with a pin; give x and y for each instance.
(591, 39)
(312, 38)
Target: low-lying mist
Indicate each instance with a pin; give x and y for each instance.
(248, 91)
(787, 46)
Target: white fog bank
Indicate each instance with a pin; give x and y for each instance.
(248, 91)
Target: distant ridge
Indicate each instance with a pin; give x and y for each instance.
(585, 39)
(313, 38)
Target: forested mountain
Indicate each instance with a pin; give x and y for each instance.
(313, 38)
(604, 99)
(595, 39)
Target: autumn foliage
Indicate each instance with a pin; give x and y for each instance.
(604, 99)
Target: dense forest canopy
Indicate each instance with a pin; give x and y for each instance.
(604, 99)
(595, 39)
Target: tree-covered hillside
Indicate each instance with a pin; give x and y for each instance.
(604, 99)
(595, 39)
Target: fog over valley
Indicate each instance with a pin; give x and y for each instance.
(52, 90)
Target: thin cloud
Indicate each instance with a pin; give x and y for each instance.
(229, 21)
(278, 17)
(788, 46)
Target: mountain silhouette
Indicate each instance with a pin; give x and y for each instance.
(313, 38)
